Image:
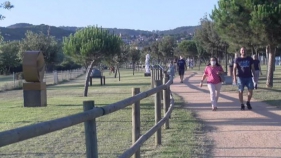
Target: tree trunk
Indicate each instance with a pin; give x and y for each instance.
(226, 61)
(199, 58)
(133, 68)
(115, 72)
(86, 84)
(117, 67)
(270, 49)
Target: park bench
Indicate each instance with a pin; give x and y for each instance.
(97, 74)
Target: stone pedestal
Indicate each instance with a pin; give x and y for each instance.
(34, 94)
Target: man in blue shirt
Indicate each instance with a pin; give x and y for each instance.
(181, 68)
(245, 67)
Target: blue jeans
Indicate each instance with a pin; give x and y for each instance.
(242, 82)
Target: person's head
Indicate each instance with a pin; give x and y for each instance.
(242, 52)
(181, 57)
(213, 62)
(255, 57)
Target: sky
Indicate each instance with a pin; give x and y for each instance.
(123, 14)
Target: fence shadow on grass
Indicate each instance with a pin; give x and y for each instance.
(127, 84)
(65, 86)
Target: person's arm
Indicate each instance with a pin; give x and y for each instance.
(234, 73)
(202, 80)
(253, 69)
(203, 77)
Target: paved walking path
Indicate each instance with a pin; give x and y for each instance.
(233, 133)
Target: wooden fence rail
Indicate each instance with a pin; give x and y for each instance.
(149, 133)
(91, 113)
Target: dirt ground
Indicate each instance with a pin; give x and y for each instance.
(252, 133)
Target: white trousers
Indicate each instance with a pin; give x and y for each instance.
(256, 78)
(171, 78)
(214, 93)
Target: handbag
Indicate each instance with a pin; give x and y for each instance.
(222, 79)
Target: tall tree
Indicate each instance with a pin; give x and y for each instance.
(9, 56)
(167, 46)
(47, 44)
(134, 55)
(188, 48)
(118, 58)
(231, 19)
(90, 46)
(155, 50)
(5, 5)
(208, 37)
(266, 22)
(252, 23)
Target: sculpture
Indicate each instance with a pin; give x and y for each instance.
(147, 65)
(34, 89)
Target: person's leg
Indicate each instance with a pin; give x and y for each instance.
(254, 80)
(241, 84)
(218, 89)
(257, 75)
(181, 75)
(179, 70)
(170, 77)
(250, 86)
(250, 94)
(212, 88)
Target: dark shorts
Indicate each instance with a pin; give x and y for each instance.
(242, 82)
(181, 71)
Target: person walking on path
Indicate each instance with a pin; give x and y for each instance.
(212, 72)
(181, 67)
(245, 67)
(171, 71)
(257, 71)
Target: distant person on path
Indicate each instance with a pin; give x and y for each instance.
(257, 71)
(171, 71)
(111, 70)
(181, 67)
(212, 72)
(245, 67)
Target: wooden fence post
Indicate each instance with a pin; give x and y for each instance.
(90, 132)
(161, 79)
(166, 102)
(136, 121)
(168, 97)
(152, 78)
(157, 105)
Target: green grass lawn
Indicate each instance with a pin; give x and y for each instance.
(183, 139)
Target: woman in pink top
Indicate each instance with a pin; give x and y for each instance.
(212, 71)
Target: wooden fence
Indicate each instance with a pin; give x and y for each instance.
(91, 113)
(50, 78)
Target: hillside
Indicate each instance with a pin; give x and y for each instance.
(17, 31)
